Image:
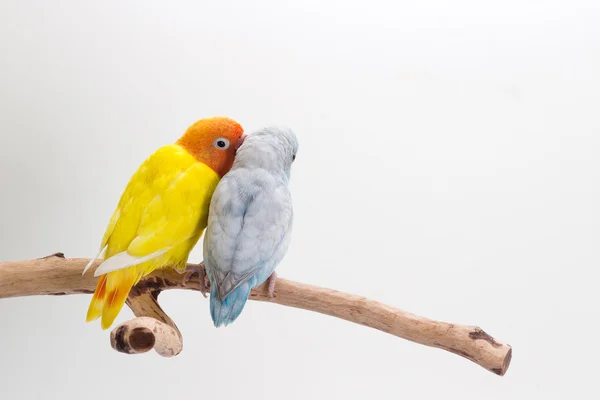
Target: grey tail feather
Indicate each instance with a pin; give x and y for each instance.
(230, 282)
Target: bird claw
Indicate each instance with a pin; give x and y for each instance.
(200, 269)
(272, 280)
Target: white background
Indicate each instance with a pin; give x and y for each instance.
(448, 166)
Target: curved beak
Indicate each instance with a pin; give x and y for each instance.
(241, 141)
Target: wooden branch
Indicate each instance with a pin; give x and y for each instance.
(152, 329)
(56, 275)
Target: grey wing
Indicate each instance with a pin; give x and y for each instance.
(247, 234)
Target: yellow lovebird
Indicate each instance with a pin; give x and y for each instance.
(162, 212)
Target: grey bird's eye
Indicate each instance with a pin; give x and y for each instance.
(293, 158)
(221, 143)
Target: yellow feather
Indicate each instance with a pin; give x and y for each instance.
(164, 207)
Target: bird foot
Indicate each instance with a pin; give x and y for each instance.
(200, 269)
(272, 280)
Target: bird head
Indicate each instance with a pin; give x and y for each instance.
(214, 141)
(272, 148)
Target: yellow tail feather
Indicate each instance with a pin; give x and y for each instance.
(110, 295)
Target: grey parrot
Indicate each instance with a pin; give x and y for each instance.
(249, 222)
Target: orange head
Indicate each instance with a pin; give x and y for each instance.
(213, 141)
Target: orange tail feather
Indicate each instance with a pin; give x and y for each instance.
(97, 303)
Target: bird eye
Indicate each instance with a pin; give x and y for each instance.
(293, 158)
(221, 143)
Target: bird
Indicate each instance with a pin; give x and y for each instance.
(162, 212)
(250, 221)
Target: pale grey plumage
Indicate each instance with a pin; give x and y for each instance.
(250, 219)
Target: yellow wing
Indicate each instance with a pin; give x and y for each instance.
(160, 217)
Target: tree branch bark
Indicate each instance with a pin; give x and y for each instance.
(56, 275)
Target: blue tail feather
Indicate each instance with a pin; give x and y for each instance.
(226, 311)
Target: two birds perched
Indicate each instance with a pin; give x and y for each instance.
(215, 178)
